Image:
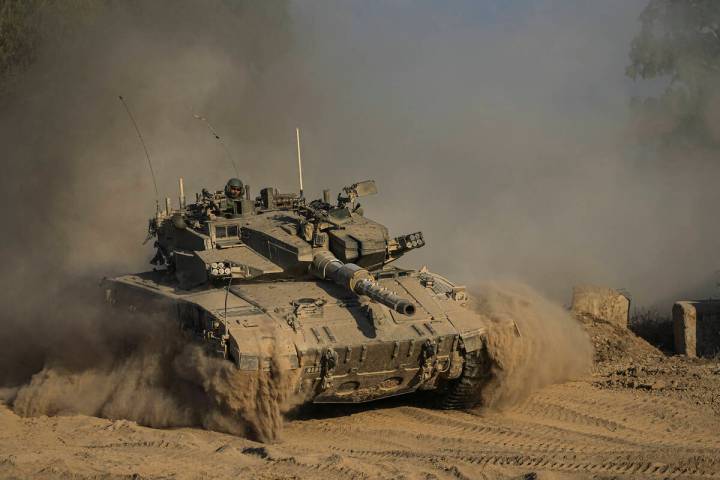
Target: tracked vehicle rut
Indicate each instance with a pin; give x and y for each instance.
(313, 283)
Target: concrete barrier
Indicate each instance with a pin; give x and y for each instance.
(602, 303)
(696, 327)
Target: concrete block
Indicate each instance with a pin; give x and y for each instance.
(696, 327)
(602, 303)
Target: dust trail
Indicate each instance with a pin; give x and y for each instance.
(259, 400)
(146, 371)
(532, 342)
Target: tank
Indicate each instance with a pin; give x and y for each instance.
(312, 282)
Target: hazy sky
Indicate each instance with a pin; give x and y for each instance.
(498, 128)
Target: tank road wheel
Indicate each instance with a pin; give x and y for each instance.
(464, 392)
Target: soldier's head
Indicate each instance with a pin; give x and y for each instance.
(234, 188)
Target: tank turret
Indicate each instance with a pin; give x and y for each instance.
(219, 238)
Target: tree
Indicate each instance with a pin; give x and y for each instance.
(19, 35)
(29, 28)
(679, 44)
(26, 24)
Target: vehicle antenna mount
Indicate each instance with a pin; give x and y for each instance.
(299, 158)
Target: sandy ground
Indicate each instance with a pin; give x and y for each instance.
(639, 415)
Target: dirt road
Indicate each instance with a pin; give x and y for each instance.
(575, 430)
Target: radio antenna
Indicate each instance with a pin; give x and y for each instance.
(147, 154)
(299, 157)
(217, 137)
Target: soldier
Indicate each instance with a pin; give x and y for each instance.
(234, 189)
(234, 192)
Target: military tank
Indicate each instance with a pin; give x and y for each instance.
(313, 283)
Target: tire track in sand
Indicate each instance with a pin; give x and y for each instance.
(571, 428)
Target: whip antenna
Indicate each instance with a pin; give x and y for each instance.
(217, 137)
(299, 157)
(147, 154)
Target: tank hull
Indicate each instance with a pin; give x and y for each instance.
(342, 348)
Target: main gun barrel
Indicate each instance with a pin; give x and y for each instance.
(358, 280)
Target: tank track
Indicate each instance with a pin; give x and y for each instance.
(464, 392)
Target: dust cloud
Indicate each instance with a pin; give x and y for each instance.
(499, 129)
(502, 130)
(145, 370)
(532, 342)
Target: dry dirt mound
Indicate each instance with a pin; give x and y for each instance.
(614, 344)
(625, 361)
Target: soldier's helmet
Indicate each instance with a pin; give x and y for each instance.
(234, 188)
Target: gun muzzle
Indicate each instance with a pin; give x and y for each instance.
(358, 280)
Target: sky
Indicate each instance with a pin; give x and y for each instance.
(500, 129)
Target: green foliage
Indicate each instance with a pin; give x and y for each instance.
(679, 43)
(29, 28)
(19, 34)
(25, 25)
